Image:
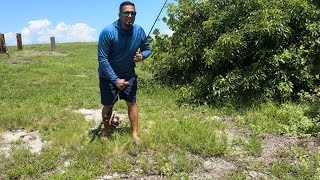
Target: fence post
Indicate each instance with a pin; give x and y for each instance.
(19, 42)
(2, 43)
(53, 44)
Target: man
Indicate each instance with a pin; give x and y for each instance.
(118, 51)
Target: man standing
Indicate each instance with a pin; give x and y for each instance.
(118, 51)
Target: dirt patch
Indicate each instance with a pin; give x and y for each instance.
(24, 57)
(273, 145)
(41, 53)
(123, 176)
(95, 115)
(91, 114)
(18, 60)
(233, 130)
(20, 139)
(214, 168)
(209, 168)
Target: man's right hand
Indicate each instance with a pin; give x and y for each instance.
(122, 84)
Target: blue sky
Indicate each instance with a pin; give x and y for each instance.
(70, 20)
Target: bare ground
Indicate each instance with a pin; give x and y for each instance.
(21, 139)
(29, 53)
(210, 168)
(272, 147)
(24, 57)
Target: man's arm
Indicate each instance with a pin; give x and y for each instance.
(145, 47)
(104, 45)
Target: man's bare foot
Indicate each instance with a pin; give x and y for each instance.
(104, 138)
(136, 140)
(104, 134)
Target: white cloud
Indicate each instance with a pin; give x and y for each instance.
(79, 32)
(9, 38)
(26, 31)
(40, 31)
(9, 35)
(25, 36)
(39, 24)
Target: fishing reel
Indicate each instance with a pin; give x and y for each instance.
(115, 121)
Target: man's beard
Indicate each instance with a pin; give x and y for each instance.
(129, 23)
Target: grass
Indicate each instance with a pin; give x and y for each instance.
(305, 166)
(41, 91)
(252, 145)
(286, 118)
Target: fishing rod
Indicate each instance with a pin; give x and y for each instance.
(157, 18)
(97, 131)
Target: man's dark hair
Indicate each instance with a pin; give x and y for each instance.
(124, 4)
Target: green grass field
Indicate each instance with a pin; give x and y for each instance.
(40, 91)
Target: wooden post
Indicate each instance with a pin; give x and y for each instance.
(53, 44)
(2, 44)
(19, 42)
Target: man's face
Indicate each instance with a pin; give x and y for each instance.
(127, 16)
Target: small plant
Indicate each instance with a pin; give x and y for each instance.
(251, 146)
(279, 119)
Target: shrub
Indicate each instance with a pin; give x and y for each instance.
(240, 50)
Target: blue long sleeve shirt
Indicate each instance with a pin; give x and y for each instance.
(117, 48)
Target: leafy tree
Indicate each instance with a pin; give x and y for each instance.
(156, 33)
(241, 50)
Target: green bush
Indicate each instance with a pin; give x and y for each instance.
(240, 50)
